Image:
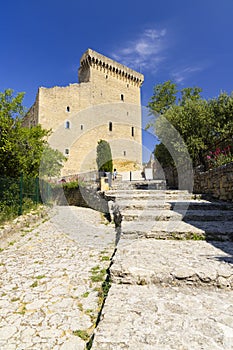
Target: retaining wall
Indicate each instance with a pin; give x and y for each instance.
(81, 197)
(217, 182)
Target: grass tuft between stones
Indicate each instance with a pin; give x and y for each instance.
(97, 274)
(82, 334)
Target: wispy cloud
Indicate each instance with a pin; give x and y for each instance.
(179, 76)
(145, 52)
(152, 51)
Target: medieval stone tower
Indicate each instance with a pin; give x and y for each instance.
(105, 104)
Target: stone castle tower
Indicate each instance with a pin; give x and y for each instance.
(105, 104)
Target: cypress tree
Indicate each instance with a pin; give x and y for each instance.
(104, 156)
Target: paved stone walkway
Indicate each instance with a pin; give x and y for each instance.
(169, 292)
(50, 278)
(170, 295)
(165, 295)
(152, 317)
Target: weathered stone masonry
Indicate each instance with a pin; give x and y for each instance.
(217, 182)
(105, 104)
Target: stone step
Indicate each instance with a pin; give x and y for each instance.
(176, 263)
(148, 192)
(143, 203)
(178, 230)
(139, 184)
(149, 195)
(172, 205)
(186, 215)
(150, 215)
(191, 204)
(165, 318)
(201, 205)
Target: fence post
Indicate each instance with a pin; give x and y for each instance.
(21, 194)
(37, 190)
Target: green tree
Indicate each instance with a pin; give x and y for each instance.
(192, 121)
(163, 156)
(104, 156)
(190, 94)
(221, 108)
(163, 98)
(21, 148)
(202, 124)
(51, 162)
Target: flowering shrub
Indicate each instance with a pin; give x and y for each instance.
(220, 157)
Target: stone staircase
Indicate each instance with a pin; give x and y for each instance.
(142, 184)
(172, 274)
(173, 214)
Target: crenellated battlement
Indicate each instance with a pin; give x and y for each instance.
(104, 105)
(93, 60)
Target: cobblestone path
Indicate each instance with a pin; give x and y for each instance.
(50, 278)
(173, 293)
(165, 294)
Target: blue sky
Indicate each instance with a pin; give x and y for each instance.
(187, 41)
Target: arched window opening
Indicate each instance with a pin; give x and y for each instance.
(122, 97)
(67, 124)
(68, 108)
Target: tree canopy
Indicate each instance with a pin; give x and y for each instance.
(21, 148)
(104, 156)
(203, 124)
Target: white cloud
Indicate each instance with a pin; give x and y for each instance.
(145, 52)
(181, 75)
(152, 50)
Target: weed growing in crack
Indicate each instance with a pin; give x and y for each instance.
(40, 277)
(34, 284)
(85, 295)
(97, 274)
(82, 334)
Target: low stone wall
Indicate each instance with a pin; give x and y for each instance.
(218, 182)
(68, 196)
(86, 197)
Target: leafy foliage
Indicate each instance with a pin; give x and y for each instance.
(164, 97)
(220, 157)
(202, 124)
(104, 156)
(22, 151)
(13, 201)
(161, 153)
(51, 162)
(21, 148)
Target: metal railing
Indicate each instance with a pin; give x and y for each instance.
(17, 195)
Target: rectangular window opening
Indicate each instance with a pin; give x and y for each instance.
(110, 126)
(67, 124)
(67, 152)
